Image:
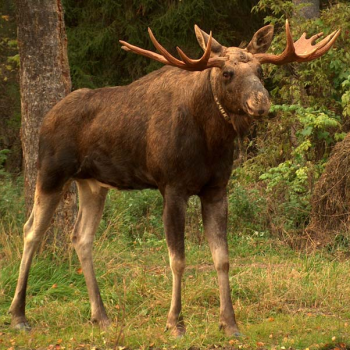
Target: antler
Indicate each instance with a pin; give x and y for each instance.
(166, 58)
(302, 50)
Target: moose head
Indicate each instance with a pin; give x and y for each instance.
(236, 79)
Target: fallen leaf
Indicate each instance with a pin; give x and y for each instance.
(334, 338)
(260, 344)
(54, 285)
(79, 271)
(271, 319)
(5, 17)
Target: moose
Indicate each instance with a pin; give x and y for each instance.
(172, 130)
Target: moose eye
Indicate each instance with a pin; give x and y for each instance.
(227, 74)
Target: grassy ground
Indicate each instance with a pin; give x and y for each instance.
(283, 298)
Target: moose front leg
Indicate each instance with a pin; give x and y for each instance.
(214, 212)
(174, 225)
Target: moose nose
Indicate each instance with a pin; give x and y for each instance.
(257, 105)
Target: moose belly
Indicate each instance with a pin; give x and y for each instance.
(121, 175)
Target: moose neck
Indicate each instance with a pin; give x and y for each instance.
(206, 108)
(217, 101)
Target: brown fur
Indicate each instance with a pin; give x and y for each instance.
(164, 131)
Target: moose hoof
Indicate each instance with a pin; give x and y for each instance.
(231, 331)
(22, 326)
(177, 331)
(176, 326)
(104, 324)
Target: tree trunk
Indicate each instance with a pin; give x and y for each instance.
(311, 9)
(44, 80)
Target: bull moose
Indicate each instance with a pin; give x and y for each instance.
(172, 130)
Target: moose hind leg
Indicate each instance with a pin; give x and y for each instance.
(91, 203)
(174, 224)
(214, 211)
(34, 229)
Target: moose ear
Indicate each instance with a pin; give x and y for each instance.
(261, 40)
(203, 38)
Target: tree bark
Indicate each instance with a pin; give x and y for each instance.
(311, 9)
(44, 80)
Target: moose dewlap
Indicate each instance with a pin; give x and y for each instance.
(172, 130)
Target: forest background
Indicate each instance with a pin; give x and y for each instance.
(276, 279)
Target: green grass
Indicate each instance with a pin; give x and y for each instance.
(283, 298)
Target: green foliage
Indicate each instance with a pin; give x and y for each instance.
(12, 210)
(3, 157)
(136, 214)
(311, 106)
(278, 9)
(345, 99)
(246, 210)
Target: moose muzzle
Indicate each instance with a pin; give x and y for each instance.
(256, 101)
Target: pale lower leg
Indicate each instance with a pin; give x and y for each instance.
(175, 320)
(34, 229)
(214, 211)
(92, 199)
(221, 263)
(174, 225)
